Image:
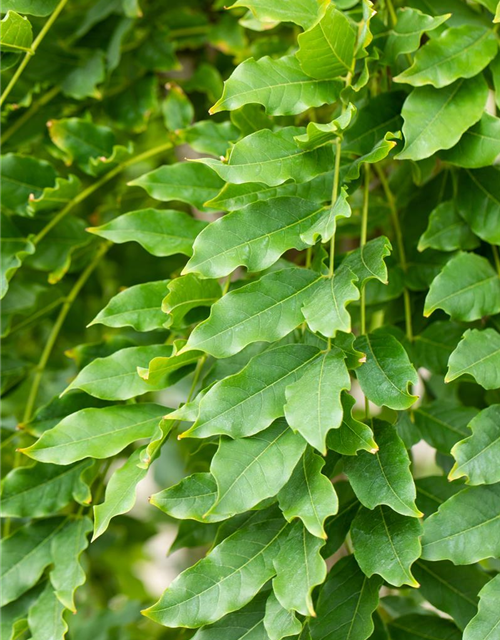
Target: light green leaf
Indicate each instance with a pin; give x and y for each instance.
(302, 12)
(227, 579)
(93, 147)
(120, 493)
(467, 289)
(352, 435)
(265, 310)
(211, 137)
(325, 311)
(387, 375)
(478, 202)
(25, 554)
(487, 621)
(384, 477)
(257, 392)
(319, 134)
(139, 307)
(162, 232)
(466, 528)
(254, 237)
(451, 589)
(313, 405)
(183, 181)
(476, 456)
(309, 495)
(405, 36)
(447, 231)
(45, 617)
(478, 147)
(272, 158)
(32, 7)
(367, 262)
(326, 50)
(115, 377)
(43, 489)
(326, 224)
(247, 623)
(55, 197)
(249, 470)
(346, 603)
(280, 86)
(459, 52)
(396, 539)
(190, 499)
(185, 294)
(16, 34)
(67, 574)
(96, 433)
(23, 177)
(299, 568)
(411, 626)
(435, 119)
(442, 423)
(166, 370)
(379, 152)
(278, 622)
(14, 249)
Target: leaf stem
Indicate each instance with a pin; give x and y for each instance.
(335, 191)
(401, 249)
(49, 345)
(29, 113)
(391, 12)
(363, 237)
(96, 185)
(34, 47)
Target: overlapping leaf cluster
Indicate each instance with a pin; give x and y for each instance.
(303, 288)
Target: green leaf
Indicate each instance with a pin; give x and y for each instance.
(435, 119)
(91, 146)
(352, 435)
(318, 134)
(396, 539)
(387, 374)
(211, 137)
(265, 310)
(23, 178)
(82, 81)
(467, 289)
(451, 589)
(45, 617)
(478, 147)
(120, 493)
(299, 568)
(67, 574)
(14, 249)
(280, 86)
(325, 311)
(177, 110)
(337, 527)
(55, 197)
(367, 262)
(313, 405)
(346, 603)
(15, 615)
(326, 50)
(272, 158)
(278, 622)
(433, 347)
(183, 181)
(411, 627)
(447, 231)
(254, 237)
(384, 477)
(115, 377)
(442, 423)
(162, 232)
(257, 392)
(185, 294)
(406, 34)
(433, 491)
(465, 528)
(164, 371)
(190, 499)
(459, 52)
(226, 579)
(25, 555)
(16, 34)
(309, 495)
(476, 455)
(139, 307)
(96, 433)
(43, 489)
(302, 12)
(485, 624)
(249, 470)
(32, 7)
(478, 202)
(326, 224)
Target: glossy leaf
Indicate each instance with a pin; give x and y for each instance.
(185, 294)
(302, 12)
(352, 435)
(278, 622)
(16, 34)
(487, 620)
(478, 147)
(410, 26)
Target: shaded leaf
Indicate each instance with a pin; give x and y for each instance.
(442, 423)
(410, 26)
(14, 249)
(352, 435)
(410, 627)
(447, 231)
(479, 202)
(485, 624)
